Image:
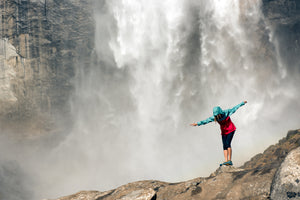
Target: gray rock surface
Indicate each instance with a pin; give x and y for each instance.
(286, 183)
(283, 17)
(41, 44)
(7, 56)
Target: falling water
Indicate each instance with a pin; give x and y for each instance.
(158, 66)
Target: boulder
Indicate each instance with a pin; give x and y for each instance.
(286, 183)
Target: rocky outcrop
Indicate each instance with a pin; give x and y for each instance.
(286, 183)
(275, 171)
(41, 44)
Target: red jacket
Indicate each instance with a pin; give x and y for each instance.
(226, 126)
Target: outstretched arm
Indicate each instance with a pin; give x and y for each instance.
(232, 110)
(208, 120)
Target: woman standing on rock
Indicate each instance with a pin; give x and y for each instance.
(227, 128)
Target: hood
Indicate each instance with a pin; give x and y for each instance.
(217, 110)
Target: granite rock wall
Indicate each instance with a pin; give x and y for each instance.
(283, 17)
(41, 45)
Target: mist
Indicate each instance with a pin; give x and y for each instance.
(158, 66)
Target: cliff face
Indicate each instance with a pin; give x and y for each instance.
(284, 18)
(265, 174)
(282, 11)
(41, 43)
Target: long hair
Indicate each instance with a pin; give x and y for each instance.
(218, 117)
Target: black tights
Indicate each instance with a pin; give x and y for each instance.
(227, 140)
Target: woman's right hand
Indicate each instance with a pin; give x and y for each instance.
(194, 124)
(245, 102)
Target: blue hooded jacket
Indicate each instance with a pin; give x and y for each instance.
(218, 110)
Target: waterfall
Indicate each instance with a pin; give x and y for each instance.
(160, 65)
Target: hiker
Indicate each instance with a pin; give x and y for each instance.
(227, 128)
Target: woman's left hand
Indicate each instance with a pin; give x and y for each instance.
(194, 124)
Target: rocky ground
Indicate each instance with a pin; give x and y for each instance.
(274, 174)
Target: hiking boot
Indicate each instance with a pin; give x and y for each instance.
(229, 162)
